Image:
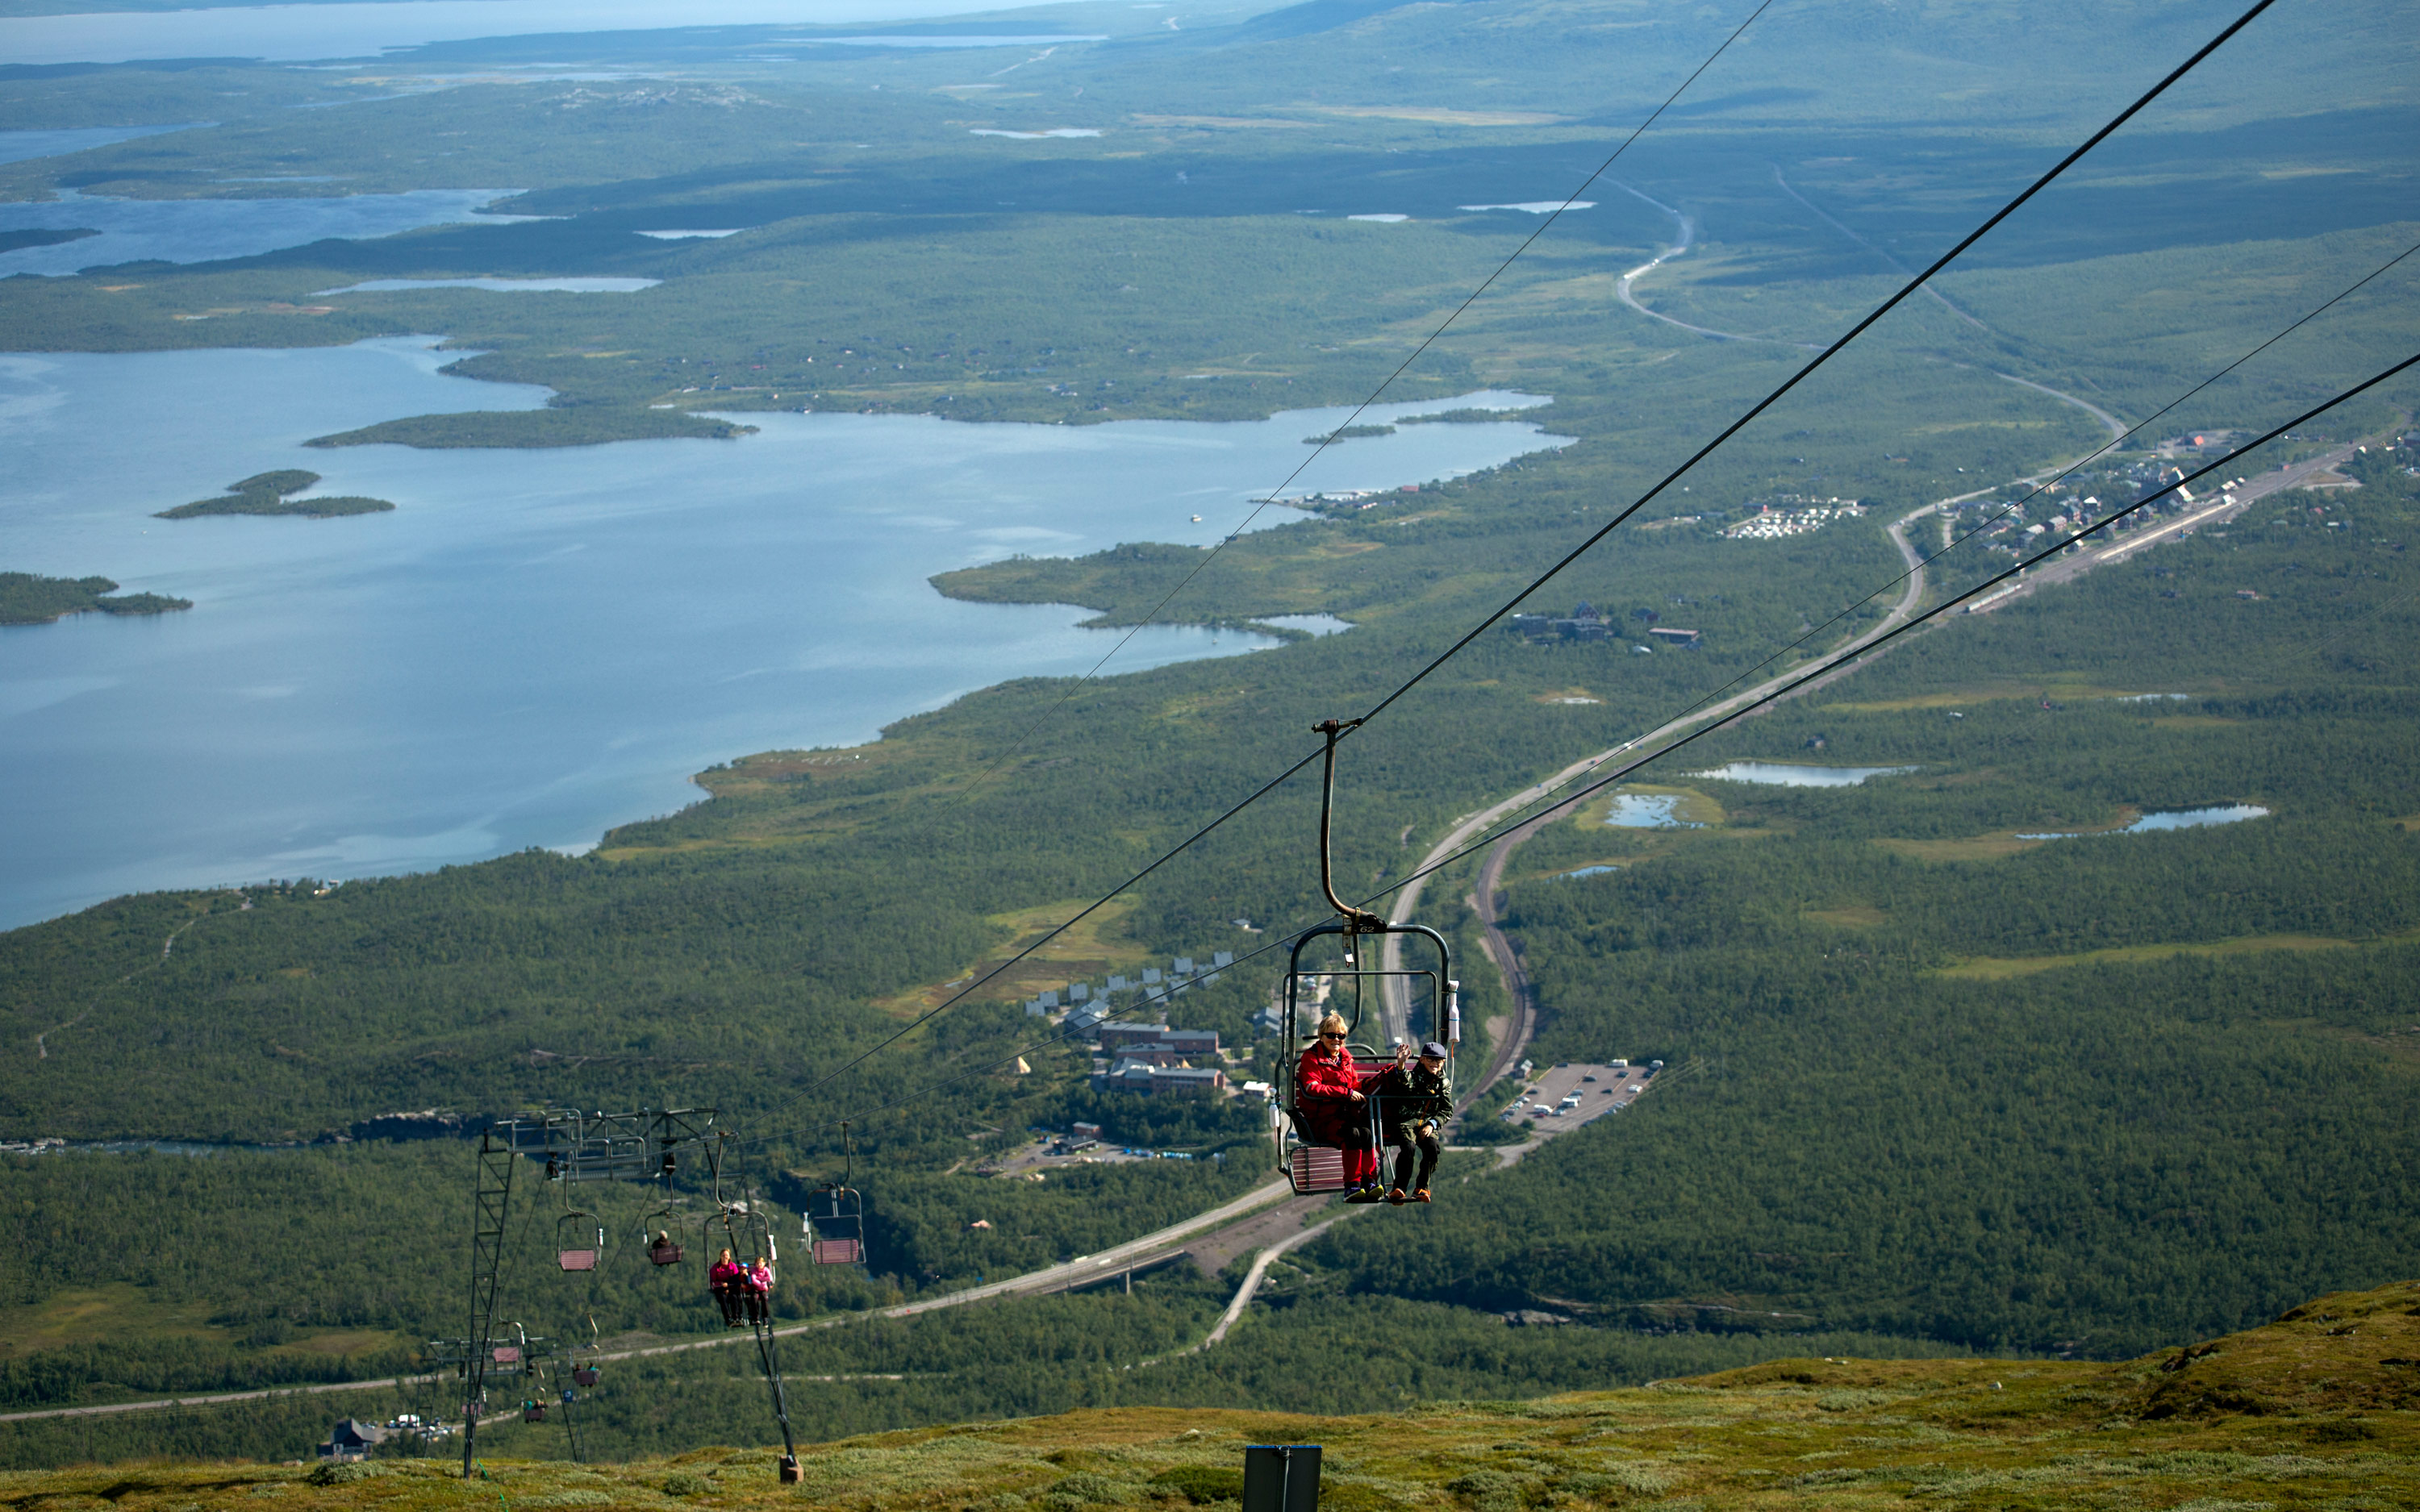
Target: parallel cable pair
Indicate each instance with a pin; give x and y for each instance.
(1864, 324)
(1823, 670)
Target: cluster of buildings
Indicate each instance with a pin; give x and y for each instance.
(353, 1439)
(1157, 1061)
(1797, 516)
(1086, 1005)
(1586, 624)
(1133, 1056)
(1346, 500)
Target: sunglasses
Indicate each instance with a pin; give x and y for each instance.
(1331, 1037)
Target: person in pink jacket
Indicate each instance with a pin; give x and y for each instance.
(727, 1279)
(759, 1292)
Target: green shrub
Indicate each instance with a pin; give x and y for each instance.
(1085, 1489)
(1202, 1483)
(1495, 1490)
(333, 1474)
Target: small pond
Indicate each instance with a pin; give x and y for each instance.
(1647, 810)
(2229, 813)
(1794, 775)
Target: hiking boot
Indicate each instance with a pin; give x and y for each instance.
(1420, 1196)
(1397, 1197)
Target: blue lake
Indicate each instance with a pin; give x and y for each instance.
(294, 32)
(535, 645)
(19, 146)
(205, 230)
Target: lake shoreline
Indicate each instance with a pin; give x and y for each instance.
(667, 605)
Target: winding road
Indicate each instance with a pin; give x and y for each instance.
(1686, 230)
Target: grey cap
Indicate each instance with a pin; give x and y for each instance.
(1433, 1048)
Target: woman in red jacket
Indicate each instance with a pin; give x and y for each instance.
(1333, 1106)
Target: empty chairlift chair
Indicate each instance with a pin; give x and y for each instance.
(835, 1216)
(569, 1252)
(835, 1225)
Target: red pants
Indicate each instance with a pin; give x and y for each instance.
(1360, 1166)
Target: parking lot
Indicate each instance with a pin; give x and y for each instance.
(1559, 1099)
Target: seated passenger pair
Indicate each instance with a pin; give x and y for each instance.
(1342, 1104)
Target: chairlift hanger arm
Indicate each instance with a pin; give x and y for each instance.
(1357, 920)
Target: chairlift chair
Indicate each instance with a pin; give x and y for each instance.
(1316, 1161)
(533, 1412)
(657, 1235)
(834, 1223)
(567, 1254)
(1313, 1153)
(835, 1226)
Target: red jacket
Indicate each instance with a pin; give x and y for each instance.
(1322, 1077)
(1325, 1084)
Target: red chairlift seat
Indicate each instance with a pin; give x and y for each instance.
(663, 1251)
(834, 1219)
(583, 1375)
(1317, 1168)
(533, 1412)
(835, 1225)
(572, 1256)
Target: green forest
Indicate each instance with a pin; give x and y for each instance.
(1963, 1064)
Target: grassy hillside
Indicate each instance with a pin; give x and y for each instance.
(2313, 1411)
